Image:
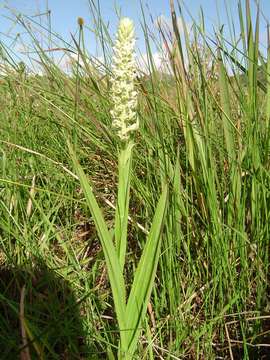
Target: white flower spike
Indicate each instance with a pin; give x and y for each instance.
(124, 94)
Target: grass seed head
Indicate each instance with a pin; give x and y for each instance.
(80, 21)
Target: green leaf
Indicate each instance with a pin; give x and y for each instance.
(228, 126)
(145, 275)
(114, 271)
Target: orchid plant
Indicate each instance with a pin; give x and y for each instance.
(130, 310)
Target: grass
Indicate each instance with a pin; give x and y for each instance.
(204, 130)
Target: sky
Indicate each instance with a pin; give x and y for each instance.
(64, 14)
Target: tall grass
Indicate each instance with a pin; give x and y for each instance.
(204, 131)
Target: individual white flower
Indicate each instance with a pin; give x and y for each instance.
(124, 94)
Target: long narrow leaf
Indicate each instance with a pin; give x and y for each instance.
(226, 106)
(145, 275)
(113, 266)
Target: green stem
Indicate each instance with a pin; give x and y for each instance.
(121, 216)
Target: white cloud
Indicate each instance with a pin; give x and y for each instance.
(160, 60)
(164, 22)
(68, 60)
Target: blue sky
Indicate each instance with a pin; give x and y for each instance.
(64, 14)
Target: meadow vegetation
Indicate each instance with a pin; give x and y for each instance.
(203, 134)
